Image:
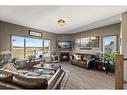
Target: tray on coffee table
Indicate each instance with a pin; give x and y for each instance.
(53, 67)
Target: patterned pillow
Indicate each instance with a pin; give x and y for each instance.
(21, 65)
(78, 57)
(6, 76)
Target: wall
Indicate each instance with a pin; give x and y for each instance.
(0, 38)
(102, 31)
(123, 46)
(8, 29)
(64, 37)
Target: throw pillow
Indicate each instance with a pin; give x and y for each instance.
(6, 76)
(9, 67)
(78, 57)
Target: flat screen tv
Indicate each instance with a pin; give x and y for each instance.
(64, 44)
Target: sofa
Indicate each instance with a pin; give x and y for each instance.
(83, 60)
(30, 78)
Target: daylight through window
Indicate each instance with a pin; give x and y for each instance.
(22, 47)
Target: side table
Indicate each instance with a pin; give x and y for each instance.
(99, 65)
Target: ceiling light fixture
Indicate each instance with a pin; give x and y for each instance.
(61, 22)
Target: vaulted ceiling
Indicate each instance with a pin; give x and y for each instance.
(78, 18)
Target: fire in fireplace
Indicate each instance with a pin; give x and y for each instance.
(64, 56)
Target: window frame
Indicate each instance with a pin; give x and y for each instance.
(28, 46)
(11, 45)
(50, 44)
(117, 42)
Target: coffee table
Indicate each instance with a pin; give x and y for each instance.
(53, 67)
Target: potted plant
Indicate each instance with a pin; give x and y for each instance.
(110, 57)
(31, 57)
(14, 59)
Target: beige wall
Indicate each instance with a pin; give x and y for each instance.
(64, 37)
(0, 37)
(103, 31)
(8, 29)
(123, 46)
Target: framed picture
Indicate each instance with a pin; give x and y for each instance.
(85, 42)
(94, 42)
(35, 33)
(77, 42)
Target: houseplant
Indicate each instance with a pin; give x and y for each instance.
(14, 59)
(110, 57)
(31, 57)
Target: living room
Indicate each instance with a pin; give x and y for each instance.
(62, 50)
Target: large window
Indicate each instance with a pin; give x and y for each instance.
(46, 48)
(18, 46)
(23, 47)
(34, 46)
(109, 44)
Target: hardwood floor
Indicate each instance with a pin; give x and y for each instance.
(88, 79)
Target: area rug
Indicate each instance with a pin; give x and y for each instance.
(65, 79)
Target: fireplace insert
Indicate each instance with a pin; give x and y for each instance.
(64, 56)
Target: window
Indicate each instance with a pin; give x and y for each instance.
(34, 46)
(18, 46)
(23, 47)
(109, 44)
(46, 48)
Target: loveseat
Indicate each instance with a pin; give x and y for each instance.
(83, 60)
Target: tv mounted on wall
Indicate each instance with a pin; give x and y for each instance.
(64, 44)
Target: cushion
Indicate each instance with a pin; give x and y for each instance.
(78, 57)
(37, 62)
(85, 58)
(82, 57)
(22, 71)
(30, 82)
(29, 65)
(20, 64)
(6, 76)
(9, 67)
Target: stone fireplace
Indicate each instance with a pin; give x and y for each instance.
(64, 56)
